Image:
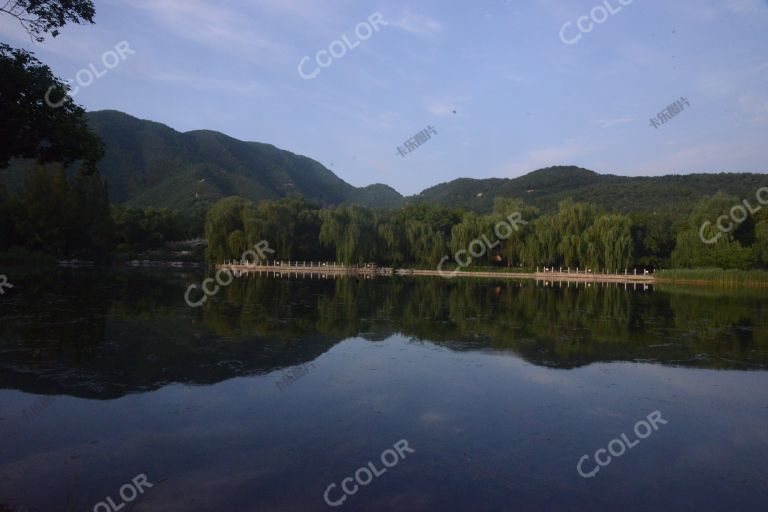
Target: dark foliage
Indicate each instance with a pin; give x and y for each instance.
(40, 17)
(37, 118)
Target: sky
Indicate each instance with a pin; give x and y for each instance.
(507, 86)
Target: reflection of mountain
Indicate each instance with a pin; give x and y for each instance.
(102, 335)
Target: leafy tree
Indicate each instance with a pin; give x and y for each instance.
(147, 228)
(40, 17)
(654, 238)
(58, 216)
(291, 226)
(572, 223)
(609, 243)
(513, 248)
(224, 218)
(761, 242)
(92, 222)
(472, 227)
(726, 251)
(576, 235)
(31, 128)
(352, 231)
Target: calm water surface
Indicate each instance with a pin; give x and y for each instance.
(276, 389)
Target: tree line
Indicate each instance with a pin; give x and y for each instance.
(575, 235)
(71, 217)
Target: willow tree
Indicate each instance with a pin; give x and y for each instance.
(571, 223)
(352, 232)
(512, 247)
(224, 218)
(391, 233)
(425, 243)
(474, 227)
(609, 243)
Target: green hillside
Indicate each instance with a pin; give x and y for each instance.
(545, 188)
(376, 196)
(150, 164)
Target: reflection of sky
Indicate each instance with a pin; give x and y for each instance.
(490, 432)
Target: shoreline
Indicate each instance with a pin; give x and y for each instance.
(292, 269)
(326, 269)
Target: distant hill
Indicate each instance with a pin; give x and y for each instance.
(545, 188)
(150, 164)
(375, 196)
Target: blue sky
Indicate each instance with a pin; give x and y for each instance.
(523, 99)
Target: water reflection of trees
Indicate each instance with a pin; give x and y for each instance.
(105, 334)
(560, 326)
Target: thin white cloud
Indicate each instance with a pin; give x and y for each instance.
(441, 109)
(755, 106)
(447, 106)
(243, 88)
(419, 24)
(746, 6)
(211, 25)
(294, 8)
(610, 123)
(514, 78)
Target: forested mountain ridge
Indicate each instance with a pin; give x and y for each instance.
(545, 189)
(150, 164)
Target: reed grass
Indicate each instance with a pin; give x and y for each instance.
(719, 276)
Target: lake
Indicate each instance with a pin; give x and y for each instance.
(376, 395)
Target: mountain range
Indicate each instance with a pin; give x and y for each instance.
(150, 164)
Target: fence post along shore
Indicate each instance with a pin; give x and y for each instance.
(305, 268)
